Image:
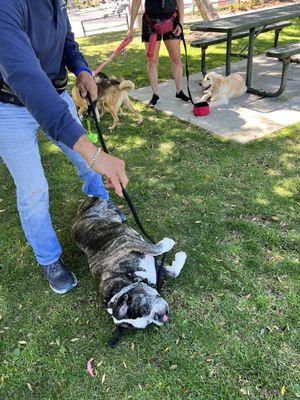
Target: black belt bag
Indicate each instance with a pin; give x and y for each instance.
(8, 96)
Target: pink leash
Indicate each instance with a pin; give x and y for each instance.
(118, 50)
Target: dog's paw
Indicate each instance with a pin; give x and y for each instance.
(179, 262)
(180, 257)
(167, 244)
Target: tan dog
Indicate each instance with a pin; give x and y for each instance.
(112, 94)
(218, 90)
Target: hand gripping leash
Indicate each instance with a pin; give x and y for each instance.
(159, 264)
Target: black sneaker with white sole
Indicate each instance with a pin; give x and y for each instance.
(181, 96)
(60, 278)
(153, 102)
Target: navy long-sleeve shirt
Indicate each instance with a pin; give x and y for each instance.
(36, 46)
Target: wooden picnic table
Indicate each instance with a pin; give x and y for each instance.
(252, 21)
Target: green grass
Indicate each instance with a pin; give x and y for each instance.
(234, 322)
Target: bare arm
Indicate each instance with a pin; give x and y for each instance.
(134, 12)
(180, 7)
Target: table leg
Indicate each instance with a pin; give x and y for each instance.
(228, 53)
(250, 57)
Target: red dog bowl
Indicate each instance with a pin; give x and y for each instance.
(201, 109)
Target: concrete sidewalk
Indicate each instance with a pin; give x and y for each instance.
(243, 119)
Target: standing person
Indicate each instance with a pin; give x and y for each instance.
(157, 11)
(36, 47)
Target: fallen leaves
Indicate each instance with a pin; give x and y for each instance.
(29, 387)
(89, 367)
(282, 390)
(244, 391)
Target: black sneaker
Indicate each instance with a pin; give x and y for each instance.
(60, 278)
(181, 96)
(113, 207)
(153, 102)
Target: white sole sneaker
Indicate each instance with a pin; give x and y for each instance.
(152, 105)
(65, 290)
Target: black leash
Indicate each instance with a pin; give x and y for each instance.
(158, 264)
(187, 73)
(125, 194)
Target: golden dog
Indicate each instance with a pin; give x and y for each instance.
(112, 95)
(218, 89)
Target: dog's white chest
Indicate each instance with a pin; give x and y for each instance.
(147, 265)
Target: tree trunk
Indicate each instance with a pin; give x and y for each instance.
(206, 9)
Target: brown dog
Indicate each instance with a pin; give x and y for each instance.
(112, 94)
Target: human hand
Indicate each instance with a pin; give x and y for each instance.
(112, 168)
(177, 31)
(129, 34)
(87, 84)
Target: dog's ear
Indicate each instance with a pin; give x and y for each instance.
(216, 80)
(87, 204)
(123, 307)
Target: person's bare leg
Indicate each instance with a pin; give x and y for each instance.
(173, 47)
(152, 64)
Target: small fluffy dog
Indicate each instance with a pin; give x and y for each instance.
(112, 94)
(218, 90)
(123, 265)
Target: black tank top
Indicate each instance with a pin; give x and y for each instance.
(155, 9)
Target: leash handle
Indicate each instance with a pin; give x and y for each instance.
(125, 42)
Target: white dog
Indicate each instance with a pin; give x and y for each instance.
(218, 90)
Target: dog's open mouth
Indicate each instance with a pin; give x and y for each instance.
(206, 87)
(160, 319)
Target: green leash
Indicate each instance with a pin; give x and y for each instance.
(90, 134)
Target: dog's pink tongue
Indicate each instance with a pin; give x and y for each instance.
(165, 318)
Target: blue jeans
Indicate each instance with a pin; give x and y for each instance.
(19, 151)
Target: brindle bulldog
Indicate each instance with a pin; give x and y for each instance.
(123, 264)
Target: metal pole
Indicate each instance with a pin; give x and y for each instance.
(250, 57)
(228, 52)
(83, 28)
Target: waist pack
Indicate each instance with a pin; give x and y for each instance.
(8, 96)
(159, 28)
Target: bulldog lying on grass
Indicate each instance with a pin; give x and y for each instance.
(123, 264)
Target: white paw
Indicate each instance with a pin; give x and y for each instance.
(167, 244)
(180, 257)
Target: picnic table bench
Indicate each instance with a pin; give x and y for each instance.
(204, 43)
(251, 22)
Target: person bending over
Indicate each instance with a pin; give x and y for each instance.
(157, 11)
(36, 47)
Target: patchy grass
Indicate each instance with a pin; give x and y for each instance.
(233, 331)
